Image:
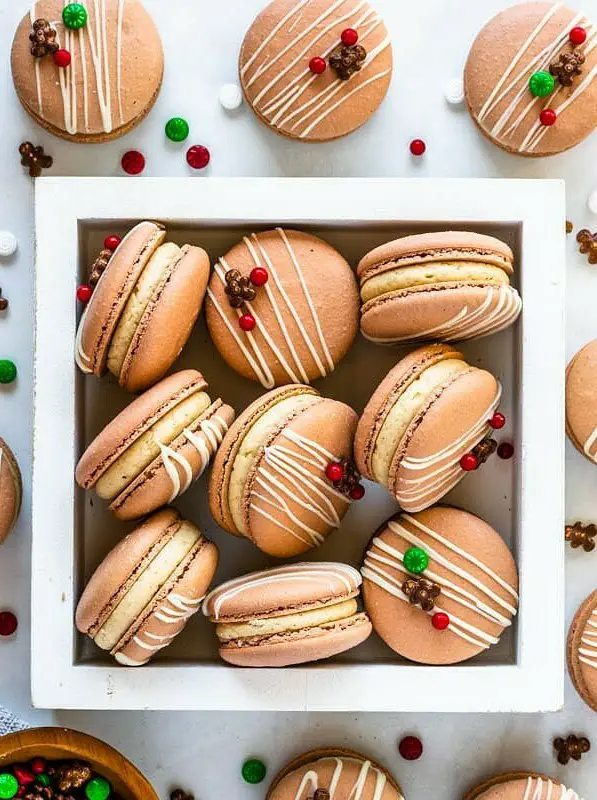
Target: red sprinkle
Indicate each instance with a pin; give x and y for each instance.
(198, 157)
(259, 276)
(112, 242)
(21, 791)
(349, 37)
(497, 421)
(23, 774)
(548, 116)
(469, 462)
(84, 293)
(247, 322)
(318, 65)
(133, 162)
(578, 35)
(38, 765)
(358, 492)
(8, 623)
(334, 472)
(505, 450)
(410, 748)
(62, 58)
(417, 147)
(440, 621)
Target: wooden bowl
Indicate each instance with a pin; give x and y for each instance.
(61, 743)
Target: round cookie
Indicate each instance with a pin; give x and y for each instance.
(269, 481)
(306, 313)
(143, 309)
(11, 490)
(446, 286)
(582, 651)
(469, 563)
(429, 411)
(142, 594)
(521, 785)
(520, 41)
(337, 771)
(581, 401)
(293, 100)
(156, 447)
(288, 615)
(114, 77)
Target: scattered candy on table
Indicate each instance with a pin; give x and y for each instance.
(410, 748)
(34, 158)
(3, 302)
(177, 129)
(180, 794)
(198, 156)
(231, 96)
(572, 747)
(581, 535)
(8, 370)
(454, 91)
(133, 162)
(8, 623)
(417, 147)
(505, 450)
(8, 244)
(570, 226)
(253, 770)
(587, 244)
(74, 16)
(592, 202)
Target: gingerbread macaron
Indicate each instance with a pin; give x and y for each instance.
(282, 307)
(88, 72)
(147, 588)
(581, 401)
(521, 786)
(439, 586)
(283, 476)
(529, 80)
(288, 615)
(156, 447)
(315, 70)
(446, 286)
(582, 651)
(334, 772)
(11, 490)
(143, 308)
(420, 431)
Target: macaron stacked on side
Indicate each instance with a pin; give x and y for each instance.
(430, 410)
(581, 401)
(143, 308)
(283, 476)
(288, 615)
(446, 286)
(522, 786)
(156, 447)
(582, 651)
(141, 596)
(11, 490)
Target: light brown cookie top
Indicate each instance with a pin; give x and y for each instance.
(11, 490)
(582, 651)
(518, 42)
(581, 400)
(306, 314)
(113, 79)
(522, 786)
(279, 84)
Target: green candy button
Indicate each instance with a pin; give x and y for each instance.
(74, 16)
(177, 129)
(9, 786)
(8, 372)
(43, 779)
(541, 83)
(98, 789)
(416, 560)
(253, 770)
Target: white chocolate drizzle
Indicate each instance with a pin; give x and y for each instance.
(311, 782)
(474, 595)
(545, 789)
(589, 445)
(587, 652)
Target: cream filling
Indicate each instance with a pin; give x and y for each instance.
(149, 280)
(147, 447)
(147, 586)
(251, 445)
(228, 632)
(405, 409)
(434, 272)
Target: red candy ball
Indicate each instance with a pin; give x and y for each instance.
(578, 35)
(62, 58)
(505, 450)
(259, 276)
(334, 472)
(548, 116)
(358, 492)
(38, 765)
(112, 242)
(198, 157)
(440, 621)
(349, 37)
(469, 462)
(497, 421)
(84, 293)
(23, 774)
(317, 65)
(8, 623)
(247, 322)
(410, 748)
(133, 162)
(417, 147)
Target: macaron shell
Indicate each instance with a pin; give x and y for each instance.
(112, 292)
(133, 421)
(167, 322)
(300, 647)
(581, 400)
(582, 674)
(451, 426)
(308, 308)
(11, 490)
(287, 512)
(515, 785)
(153, 488)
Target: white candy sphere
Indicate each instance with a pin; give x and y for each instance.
(231, 96)
(454, 91)
(8, 243)
(592, 202)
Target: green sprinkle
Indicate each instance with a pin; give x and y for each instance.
(541, 83)
(8, 371)
(74, 16)
(416, 560)
(98, 789)
(253, 770)
(43, 779)
(9, 786)
(177, 129)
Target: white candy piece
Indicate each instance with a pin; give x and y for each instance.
(231, 96)
(8, 243)
(454, 91)
(592, 202)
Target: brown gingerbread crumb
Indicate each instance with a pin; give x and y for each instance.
(581, 535)
(572, 747)
(421, 592)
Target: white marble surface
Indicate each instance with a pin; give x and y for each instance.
(201, 39)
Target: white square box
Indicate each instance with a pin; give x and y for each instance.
(524, 501)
